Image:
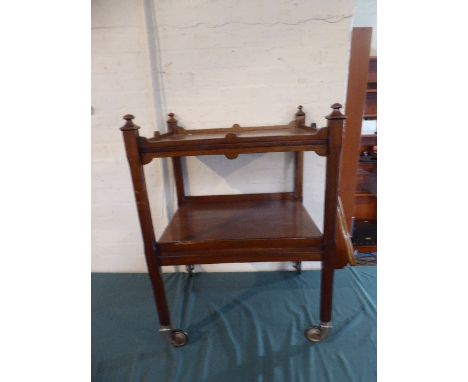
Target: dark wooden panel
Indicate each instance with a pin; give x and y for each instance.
(372, 71)
(365, 206)
(370, 109)
(369, 140)
(367, 178)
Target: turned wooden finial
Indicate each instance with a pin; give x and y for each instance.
(299, 111)
(129, 125)
(300, 117)
(336, 113)
(172, 123)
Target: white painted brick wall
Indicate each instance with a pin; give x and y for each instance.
(121, 83)
(220, 62)
(365, 15)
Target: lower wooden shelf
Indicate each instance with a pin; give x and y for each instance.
(240, 231)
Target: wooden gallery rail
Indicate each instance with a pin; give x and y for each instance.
(240, 228)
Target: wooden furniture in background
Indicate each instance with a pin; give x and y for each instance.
(239, 228)
(364, 235)
(370, 108)
(355, 102)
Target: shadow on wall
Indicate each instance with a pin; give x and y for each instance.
(224, 166)
(248, 173)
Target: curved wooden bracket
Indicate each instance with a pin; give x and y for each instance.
(146, 158)
(231, 138)
(344, 242)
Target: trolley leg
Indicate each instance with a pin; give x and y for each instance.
(298, 266)
(190, 268)
(320, 332)
(329, 260)
(131, 136)
(326, 292)
(176, 337)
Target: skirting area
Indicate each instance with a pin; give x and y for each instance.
(241, 327)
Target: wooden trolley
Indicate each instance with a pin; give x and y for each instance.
(268, 227)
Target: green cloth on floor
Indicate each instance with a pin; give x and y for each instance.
(242, 327)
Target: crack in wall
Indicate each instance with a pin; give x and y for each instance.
(329, 20)
(116, 27)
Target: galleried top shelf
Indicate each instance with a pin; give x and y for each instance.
(235, 140)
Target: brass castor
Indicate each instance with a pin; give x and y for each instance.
(298, 266)
(190, 268)
(178, 338)
(318, 333)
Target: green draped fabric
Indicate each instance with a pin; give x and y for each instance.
(241, 327)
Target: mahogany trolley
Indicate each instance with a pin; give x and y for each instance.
(268, 227)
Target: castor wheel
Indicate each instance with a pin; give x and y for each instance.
(177, 338)
(190, 268)
(318, 333)
(298, 266)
